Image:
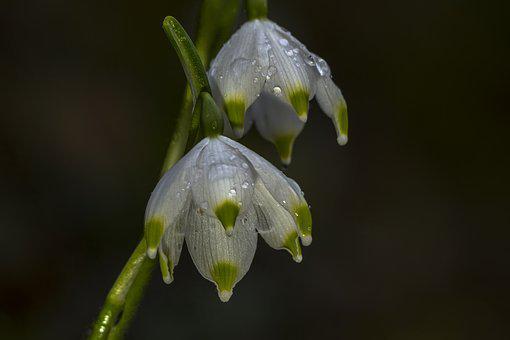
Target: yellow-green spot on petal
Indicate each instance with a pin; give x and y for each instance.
(227, 213)
(284, 145)
(224, 274)
(299, 101)
(341, 123)
(303, 219)
(235, 108)
(153, 233)
(167, 268)
(291, 244)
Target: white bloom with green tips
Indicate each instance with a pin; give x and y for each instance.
(217, 198)
(262, 59)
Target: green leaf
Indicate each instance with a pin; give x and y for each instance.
(188, 55)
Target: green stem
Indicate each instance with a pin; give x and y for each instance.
(217, 18)
(210, 116)
(126, 290)
(257, 9)
(178, 140)
(124, 297)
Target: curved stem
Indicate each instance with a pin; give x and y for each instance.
(124, 297)
(128, 287)
(217, 18)
(257, 9)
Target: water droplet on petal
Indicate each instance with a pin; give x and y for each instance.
(283, 42)
(245, 184)
(322, 67)
(232, 192)
(277, 90)
(271, 70)
(310, 60)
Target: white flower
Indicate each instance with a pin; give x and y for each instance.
(263, 60)
(217, 198)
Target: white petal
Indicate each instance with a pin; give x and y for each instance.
(220, 258)
(170, 248)
(236, 72)
(277, 122)
(169, 198)
(273, 179)
(223, 179)
(293, 78)
(284, 190)
(332, 102)
(275, 224)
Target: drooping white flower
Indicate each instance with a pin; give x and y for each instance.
(277, 122)
(217, 198)
(264, 60)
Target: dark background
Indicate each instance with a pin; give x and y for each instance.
(411, 218)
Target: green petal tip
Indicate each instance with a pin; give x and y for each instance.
(235, 109)
(167, 268)
(154, 229)
(224, 274)
(284, 145)
(299, 101)
(227, 213)
(303, 219)
(291, 244)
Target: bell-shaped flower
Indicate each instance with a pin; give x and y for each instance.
(217, 198)
(277, 122)
(262, 59)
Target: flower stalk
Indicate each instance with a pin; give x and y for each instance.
(257, 9)
(215, 26)
(214, 29)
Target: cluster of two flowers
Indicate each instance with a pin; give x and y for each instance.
(221, 195)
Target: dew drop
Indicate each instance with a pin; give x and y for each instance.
(270, 71)
(322, 67)
(310, 60)
(277, 90)
(283, 42)
(232, 192)
(245, 185)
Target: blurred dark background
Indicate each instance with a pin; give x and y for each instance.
(411, 218)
